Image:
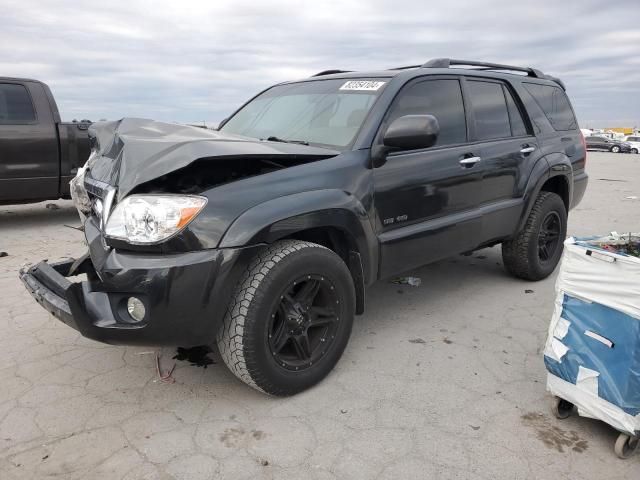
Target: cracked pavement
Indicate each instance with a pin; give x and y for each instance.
(441, 381)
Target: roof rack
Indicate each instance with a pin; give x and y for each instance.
(405, 68)
(330, 72)
(448, 62)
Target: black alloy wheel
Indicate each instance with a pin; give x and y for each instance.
(536, 250)
(549, 236)
(304, 323)
(291, 317)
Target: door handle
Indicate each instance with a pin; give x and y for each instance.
(527, 149)
(469, 162)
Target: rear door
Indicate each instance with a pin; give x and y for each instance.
(425, 198)
(508, 151)
(29, 166)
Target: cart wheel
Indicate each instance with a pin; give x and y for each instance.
(626, 445)
(561, 408)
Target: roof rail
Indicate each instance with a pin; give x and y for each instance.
(447, 62)
(330, 72)
(405, 68)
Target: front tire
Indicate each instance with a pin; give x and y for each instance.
(535, 252)
(634, 150)
(290, 319)
(615, 149)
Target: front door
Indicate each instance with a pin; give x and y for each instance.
(29, 167)
(424, 199)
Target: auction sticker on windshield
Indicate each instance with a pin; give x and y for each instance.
(366, 85)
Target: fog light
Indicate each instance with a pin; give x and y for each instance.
(136, 309)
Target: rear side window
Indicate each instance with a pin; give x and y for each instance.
(440, 98)
(490, 110)
(15, 105)
(555, 105)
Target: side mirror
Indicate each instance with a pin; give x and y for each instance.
(411, 132)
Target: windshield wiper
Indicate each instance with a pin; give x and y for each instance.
(282, 140)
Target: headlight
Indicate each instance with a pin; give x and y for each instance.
(145, 219)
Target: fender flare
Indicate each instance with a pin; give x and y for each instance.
(285, 216)
(550, 166)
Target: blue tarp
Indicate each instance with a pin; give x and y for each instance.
(618, 364)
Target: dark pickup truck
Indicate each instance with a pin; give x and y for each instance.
(39, 154)
(263, 236)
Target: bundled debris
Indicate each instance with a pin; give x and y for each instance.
(626, 245)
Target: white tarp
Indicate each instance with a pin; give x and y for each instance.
(597, 278)
(593, 275)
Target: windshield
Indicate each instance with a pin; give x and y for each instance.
(323, 112)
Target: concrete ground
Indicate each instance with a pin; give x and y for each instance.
(443, 381)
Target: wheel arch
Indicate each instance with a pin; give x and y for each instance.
(332, 218)
(553, 173)
(558, 184)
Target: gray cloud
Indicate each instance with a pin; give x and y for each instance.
(194, 61)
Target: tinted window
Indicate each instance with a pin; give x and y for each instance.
(490, 110)
(518, 127)
(325, 112)
(15, 104)
(440, 98)
(555, 105)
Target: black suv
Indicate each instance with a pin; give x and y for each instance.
(595, 142)
(263, 236)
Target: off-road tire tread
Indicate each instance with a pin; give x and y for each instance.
(230, 338)
(515, 252)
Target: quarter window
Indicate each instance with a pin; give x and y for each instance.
(440, 98)
(15, 105)
(555, 105)
(490, 110)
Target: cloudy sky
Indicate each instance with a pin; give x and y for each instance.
(191, 61)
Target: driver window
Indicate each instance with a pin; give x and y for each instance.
(440, 98)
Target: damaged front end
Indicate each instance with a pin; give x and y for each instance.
(177, 294)
(156, 199)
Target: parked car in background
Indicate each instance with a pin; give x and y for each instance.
(39, 154)
(604, 144)
(634, 141)
(262, 236)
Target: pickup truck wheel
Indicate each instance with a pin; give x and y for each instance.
(534, 253)
(290, 319)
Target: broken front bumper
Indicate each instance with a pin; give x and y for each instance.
(185, 295)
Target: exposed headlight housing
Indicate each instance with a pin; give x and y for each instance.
(149, 219)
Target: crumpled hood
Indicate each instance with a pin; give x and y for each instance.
(133, 151)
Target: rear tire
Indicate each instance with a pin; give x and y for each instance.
(290, 319)
(535, 251)
(634, 150)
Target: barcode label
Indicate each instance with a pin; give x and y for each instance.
(365, 85)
